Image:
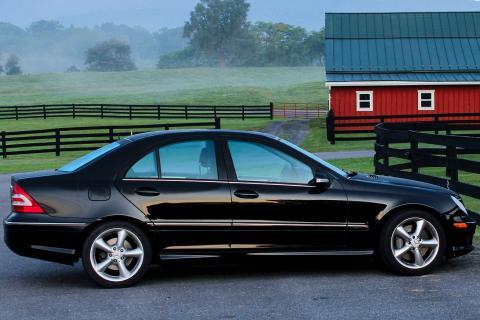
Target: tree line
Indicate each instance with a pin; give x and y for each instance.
(219, 33)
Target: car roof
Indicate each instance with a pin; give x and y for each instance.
(196, 132)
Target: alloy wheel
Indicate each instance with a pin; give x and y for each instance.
(415, 243)
(116, 254)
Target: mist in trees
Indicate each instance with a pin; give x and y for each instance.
(12, 66)
(219, 34)
(48, 46)
(111, 55)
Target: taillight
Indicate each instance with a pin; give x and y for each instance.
(22, 202)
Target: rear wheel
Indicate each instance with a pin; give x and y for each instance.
(412, 243)
(116, 254)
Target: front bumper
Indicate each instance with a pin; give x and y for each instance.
(460, 240)
(44, 237)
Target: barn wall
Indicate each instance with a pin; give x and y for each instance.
(404, 100)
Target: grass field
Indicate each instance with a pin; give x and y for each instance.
(186, 86)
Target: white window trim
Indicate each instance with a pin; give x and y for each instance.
(358, 100)
(432, 92)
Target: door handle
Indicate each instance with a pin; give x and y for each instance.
(246, 194)
(147, 192)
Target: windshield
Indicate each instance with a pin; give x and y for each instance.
(89, 157)
(314, 157)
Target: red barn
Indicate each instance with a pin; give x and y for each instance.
(381, 64)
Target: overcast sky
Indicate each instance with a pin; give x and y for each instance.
(154, 14)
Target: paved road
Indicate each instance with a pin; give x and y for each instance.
(254, 289)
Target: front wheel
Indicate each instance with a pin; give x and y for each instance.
(116, 254)
(412, 243)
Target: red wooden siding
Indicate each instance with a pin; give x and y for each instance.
(404, 100)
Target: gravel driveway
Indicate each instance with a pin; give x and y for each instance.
(354, 288)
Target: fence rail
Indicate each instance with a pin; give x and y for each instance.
(127, 111)
(300, 110)
(419, 150)
(58, 140)
(358, 128)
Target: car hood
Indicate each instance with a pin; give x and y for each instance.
(386, 180)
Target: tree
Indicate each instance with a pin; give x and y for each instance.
(315, 43)
(45, 26)
(216, 27)
(280, 44)
(72, 68)
(12, 66)
(111, 55)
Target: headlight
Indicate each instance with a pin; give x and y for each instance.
(459, 204)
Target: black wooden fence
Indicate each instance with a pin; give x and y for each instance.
(358, 128)
(412, 151)
(131, 111)
(58, 140)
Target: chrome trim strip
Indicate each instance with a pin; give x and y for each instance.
(314, 253)
(358, 225)
(273, 223)
(258, 223)
(200, 247)
(194, 223)
(170, 256)
(221, 181)
(49, 224)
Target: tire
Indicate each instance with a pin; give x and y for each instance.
(412, 253)
(112, 264)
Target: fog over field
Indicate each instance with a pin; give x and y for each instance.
(154, 28)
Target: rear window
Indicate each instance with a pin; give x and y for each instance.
(89, 157)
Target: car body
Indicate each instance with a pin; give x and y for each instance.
(219, 192)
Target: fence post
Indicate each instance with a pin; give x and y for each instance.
(73, 111)
(413, 151)
(130, 112)
(215, 111)
(167, 127)
(271, 110)
(57, 142)
(4, 144)
(452, 168)
(110, 134)
(158, 112)
(186, 112)
(330, 121)
(101, 111)
(16, 113)
(243, 112)
(436, 124)
(217, 123)
(44, 112)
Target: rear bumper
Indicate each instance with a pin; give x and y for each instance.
(44, 237)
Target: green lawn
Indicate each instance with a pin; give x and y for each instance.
(185, 86)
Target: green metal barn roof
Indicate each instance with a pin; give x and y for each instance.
(427, 47)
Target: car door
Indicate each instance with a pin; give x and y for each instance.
(182, 187)
(276, 205)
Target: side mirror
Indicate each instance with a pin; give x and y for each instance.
(322, 182)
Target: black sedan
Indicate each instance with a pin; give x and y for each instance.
(202, 193)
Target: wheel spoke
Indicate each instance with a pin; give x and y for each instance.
(432, 243)
(401, 232)
(400, 252)
(102, 245)
(134, 253)
(121, 236)
(418, 257)
(100, 267)
(420, 224)
(122, 268)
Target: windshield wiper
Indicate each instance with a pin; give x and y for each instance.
(350, 173)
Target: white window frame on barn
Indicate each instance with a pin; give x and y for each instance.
(432, 100)
(359, 101)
